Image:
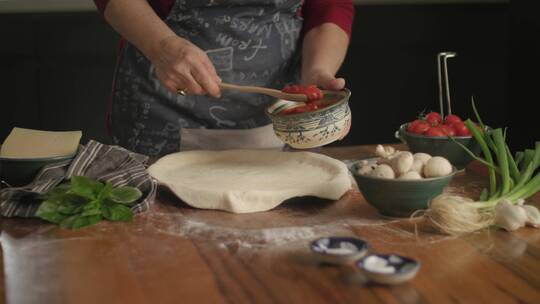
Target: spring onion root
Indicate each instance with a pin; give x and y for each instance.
(456, 215)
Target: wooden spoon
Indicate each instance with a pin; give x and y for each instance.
(266, 91)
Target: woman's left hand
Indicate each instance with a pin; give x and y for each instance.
(326, 81)
(322, 79)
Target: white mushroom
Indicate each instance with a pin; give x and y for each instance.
(365, 169)
(510, 217)
(384, 151)
(384, 171)
(423, 157)
(418, 166)
(402, 163)
(363, 162)
(437, 166)
(411, 175)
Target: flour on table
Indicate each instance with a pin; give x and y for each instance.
(297, 234)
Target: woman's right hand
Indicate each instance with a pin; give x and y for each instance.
(181, 65)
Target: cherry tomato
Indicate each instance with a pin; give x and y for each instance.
(461, 129)
(288, 111)
(421, 128)
(451, 119)
(312, 106)
(312, 92)
(434, 118)
(292, 89)
(312, 95)
(448, 130)
(412, 125)
(319, 103)
(435, 131)
(302, 109)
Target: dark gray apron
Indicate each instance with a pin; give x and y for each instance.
(250, 42)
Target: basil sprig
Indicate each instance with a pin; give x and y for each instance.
(85, 202)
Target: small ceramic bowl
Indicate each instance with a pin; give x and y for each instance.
(440, 146)
(21, 171)
(316, 128)
(339, 250)
(397, 197)
(388, 268)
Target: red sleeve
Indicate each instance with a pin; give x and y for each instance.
(317, 12)
(161, 7)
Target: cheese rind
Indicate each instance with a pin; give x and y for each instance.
(28, 143)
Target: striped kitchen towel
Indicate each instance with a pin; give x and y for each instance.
(102, 162)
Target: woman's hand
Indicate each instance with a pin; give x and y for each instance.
(180, 65)
(320, 64)
(323, 79)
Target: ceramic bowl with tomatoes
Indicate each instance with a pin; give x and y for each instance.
(315, 124)
(430, 135)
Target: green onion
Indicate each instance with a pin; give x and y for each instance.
(518, 177)
(514, 170)
(502, 159)
(481, 139)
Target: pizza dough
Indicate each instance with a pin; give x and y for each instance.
(243, 181)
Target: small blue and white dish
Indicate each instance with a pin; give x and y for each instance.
(388, 268)
(339, 250)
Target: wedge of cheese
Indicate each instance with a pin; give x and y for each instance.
(27, 143)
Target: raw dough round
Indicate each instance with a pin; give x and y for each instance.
(242, 181)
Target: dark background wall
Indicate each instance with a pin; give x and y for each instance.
(392, 69)
(56, 69)
(55, 72)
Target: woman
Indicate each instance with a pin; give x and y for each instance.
(166, 94)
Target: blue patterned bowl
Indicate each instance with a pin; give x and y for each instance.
(388, 268)
(339, 250)
(312, 129)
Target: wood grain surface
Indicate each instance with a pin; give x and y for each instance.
(178, 254)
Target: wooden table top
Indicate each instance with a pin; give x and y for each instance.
(177, 254)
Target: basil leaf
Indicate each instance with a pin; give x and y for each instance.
(85, 187)
(58, 192)
(73, 198)
(84, 202)
(84, 221)
(69, 203)
(95, 204)
(117, 212)
(70, 207)
(106, 211)
(125, 195)
(68, 221)
(92, 208)
(48, 210)
(105, 192)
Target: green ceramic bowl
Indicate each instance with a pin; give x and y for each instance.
(21, 171)
(440, 146)
(399, 198)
